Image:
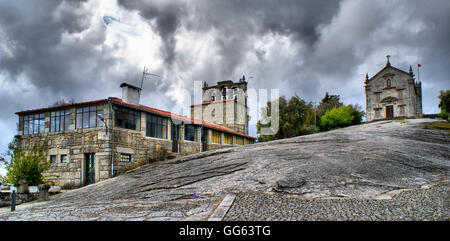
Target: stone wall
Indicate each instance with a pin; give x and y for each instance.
(141, 148)
(74, 144)
(5, 198)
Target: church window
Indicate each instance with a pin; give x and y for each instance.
(235, 91)
(377, 113)
(377, 97)
(388, 83)
(224, 93)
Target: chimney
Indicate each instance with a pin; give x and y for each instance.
(130, 94)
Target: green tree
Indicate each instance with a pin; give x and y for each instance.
(297, 117)
(327, 103)
(294, 119)
(358, 114)
(28, 166)
(341, 117)
(444, 104)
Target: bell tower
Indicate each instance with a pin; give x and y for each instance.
(225, 104)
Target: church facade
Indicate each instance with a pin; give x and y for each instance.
(392, 93)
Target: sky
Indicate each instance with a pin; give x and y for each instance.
(83, 50)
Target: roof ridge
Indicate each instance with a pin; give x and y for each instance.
(60, 106)
(385, 67)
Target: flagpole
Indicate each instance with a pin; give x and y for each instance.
(418, 72)
(418, 69)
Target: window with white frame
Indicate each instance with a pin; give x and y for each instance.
(88, 117)
(33, 124)
(63, 158)
(59, 120)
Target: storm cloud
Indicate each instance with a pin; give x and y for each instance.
(52, 50)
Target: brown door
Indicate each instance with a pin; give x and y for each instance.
(389, 112)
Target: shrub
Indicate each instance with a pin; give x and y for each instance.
(337, 117)
(27, 166)
(444, 104)
(160, 154)
(444, 115)
(310, 129)
(142, 163)
(358, 114)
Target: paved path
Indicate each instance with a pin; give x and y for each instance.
(356, 162)
(420, 204)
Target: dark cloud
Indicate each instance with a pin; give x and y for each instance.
(238, 21)
(167, 16)
(234, 22)
(39, 64)
(37, 35)
(73, 18)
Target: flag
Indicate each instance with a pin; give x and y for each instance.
(419, 65)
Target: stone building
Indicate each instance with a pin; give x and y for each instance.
(224, 104)
(392, 93)
(95, 140)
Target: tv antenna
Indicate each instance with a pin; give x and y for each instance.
(144, 76)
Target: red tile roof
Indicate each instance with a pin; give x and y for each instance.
(180, 117)
(140, 107)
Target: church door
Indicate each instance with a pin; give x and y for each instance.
(389, 112)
